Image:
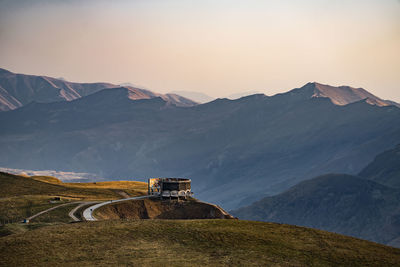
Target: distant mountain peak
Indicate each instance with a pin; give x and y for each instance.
(17, 90)
(196, 96)
(243, 94)
(344, 95)
(177, 100)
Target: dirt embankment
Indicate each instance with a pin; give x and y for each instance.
(161, 209)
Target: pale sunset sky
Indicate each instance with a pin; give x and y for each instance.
(218, 47)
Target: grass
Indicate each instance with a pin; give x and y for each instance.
(24, 196)
(50, 240)
(18, 208)
(190, 243)
(14, 185)
(136, 188)
(59, 215)
(46, 179)
(18, 228)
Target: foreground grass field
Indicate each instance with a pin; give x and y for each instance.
(189, 243)
(49, 240)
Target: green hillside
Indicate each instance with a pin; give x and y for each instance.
(190, 243)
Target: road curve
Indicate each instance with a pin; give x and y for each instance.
(72, 212)
(88, 213)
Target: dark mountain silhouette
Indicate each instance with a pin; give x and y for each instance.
(17, 90)
(385, 168)
(339, 203)
(235, 151)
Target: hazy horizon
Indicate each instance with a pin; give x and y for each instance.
(215, 47)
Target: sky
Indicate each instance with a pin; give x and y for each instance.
(217, 47)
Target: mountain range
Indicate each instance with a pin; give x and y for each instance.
(17, 90)
(235, 151)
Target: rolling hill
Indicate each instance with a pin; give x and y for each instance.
(235, 152)
(190, 243)
(365, 206)
(338, 203)
(127, 240)
(17, 90)
(15, 185)
(21, 197)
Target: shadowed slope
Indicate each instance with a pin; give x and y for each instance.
(339, 203)
(385, 168)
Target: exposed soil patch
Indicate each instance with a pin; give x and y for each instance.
(161, 209)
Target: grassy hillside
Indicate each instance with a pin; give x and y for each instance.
(49, 241)
(190, 243)
(21, 197)
(15, 185)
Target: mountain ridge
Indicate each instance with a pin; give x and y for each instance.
(285, 138)
(17, 90)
